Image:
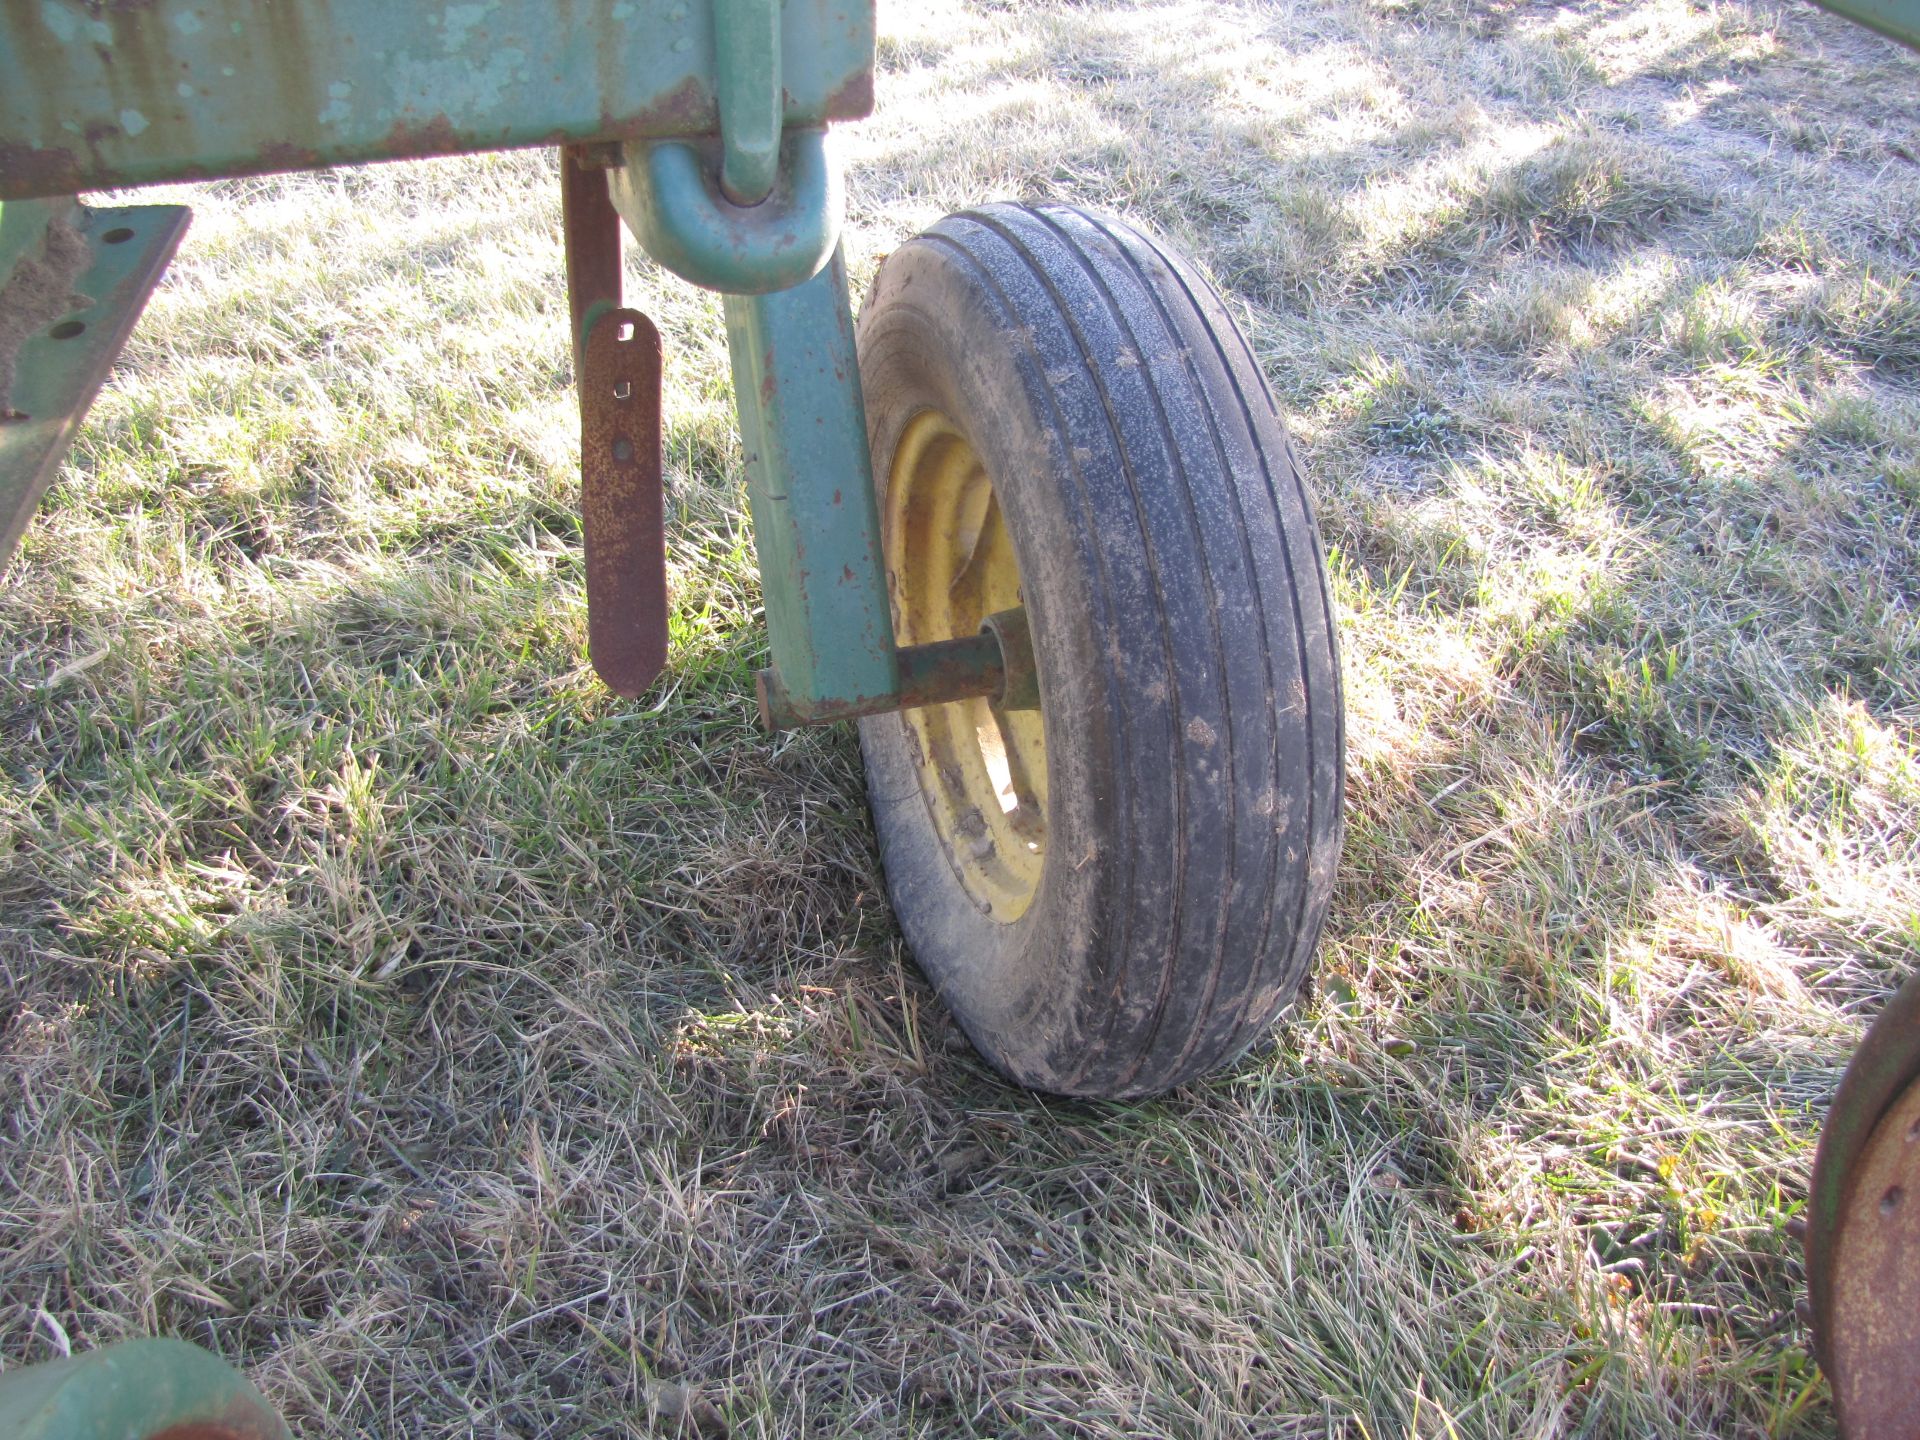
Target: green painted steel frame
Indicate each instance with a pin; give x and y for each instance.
(816, 522)
(97, 95)
(720, 105)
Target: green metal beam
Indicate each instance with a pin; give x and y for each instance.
(97, 95)
(816, 523)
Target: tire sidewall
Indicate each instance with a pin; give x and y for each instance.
(933, 335)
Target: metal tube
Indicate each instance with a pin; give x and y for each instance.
(996, 663)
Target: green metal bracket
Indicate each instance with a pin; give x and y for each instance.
(720, 170)
(72, 282)
(816, 523)
(669, 193)
(132, 1391)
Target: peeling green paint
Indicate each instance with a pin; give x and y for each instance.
(94, 96)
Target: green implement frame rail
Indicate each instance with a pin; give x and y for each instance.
(95, 96)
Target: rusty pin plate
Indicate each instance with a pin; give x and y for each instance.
(622, 503)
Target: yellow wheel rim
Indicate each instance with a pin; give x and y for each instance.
(950, 564)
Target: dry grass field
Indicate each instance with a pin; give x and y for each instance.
(467, 1053)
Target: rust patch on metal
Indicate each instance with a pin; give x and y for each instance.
(436, 136)
(25, 170)
(1885, 1065)
(243, 1417)
(622, 502)
(245, 1430)
(687, 109)
(1872, 1335)
(591, 229)
(852, 99)
(284, 155)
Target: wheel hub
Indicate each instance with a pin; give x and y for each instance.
(950, 567)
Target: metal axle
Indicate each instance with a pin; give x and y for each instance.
(997, 664)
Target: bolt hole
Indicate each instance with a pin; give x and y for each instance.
(1913, 1131)
(119, 235)
(1890, 1201)
(993, 753)
(67, 329)
(623, 390)
(626, 331)
(623, 450)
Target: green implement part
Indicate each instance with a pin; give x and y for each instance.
(673, 198)
(96, 95)
(816, 523)
(746, 52)
(138, 1390)
(1897, 18)
(72, 282)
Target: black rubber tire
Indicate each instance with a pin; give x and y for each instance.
(1174, 582)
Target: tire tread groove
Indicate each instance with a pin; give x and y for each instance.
(1213, 607)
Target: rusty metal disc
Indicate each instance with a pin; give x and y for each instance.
(1872, 1334)
(1863, 1263)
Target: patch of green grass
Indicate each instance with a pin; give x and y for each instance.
(466, 1052)
(1584, 188)
(1873, 317)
